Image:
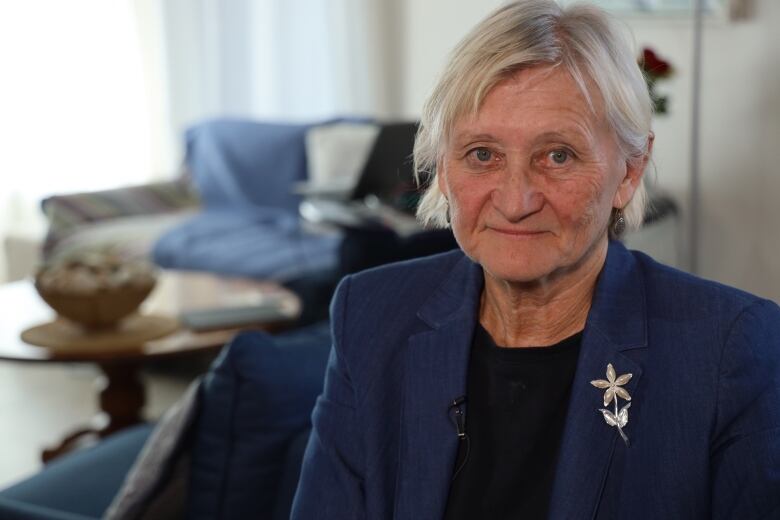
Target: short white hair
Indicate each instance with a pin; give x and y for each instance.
(523, 34)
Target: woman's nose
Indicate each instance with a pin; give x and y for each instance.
(516, 195)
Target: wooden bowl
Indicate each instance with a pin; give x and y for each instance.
(102, 309)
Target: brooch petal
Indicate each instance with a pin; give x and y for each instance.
(622, 393)
(609, 395)
(611, 373)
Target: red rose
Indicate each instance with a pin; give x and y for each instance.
(653, 65)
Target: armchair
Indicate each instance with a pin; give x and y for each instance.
(236, 455)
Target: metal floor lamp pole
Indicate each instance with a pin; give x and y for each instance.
(694, 189)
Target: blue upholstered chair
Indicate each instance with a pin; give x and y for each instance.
(244, 447)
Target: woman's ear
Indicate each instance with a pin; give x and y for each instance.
(440, 180)
(635, 169)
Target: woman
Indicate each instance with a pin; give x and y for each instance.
(543, 371)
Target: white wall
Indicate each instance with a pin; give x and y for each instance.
(740, 159)
(740, 142)
(431, 28)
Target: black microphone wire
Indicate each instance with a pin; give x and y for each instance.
(464, 438)
(460, 428)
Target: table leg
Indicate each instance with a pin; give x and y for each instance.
(122, 398)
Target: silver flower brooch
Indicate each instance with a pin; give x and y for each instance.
(615, 390)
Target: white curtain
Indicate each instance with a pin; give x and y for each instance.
(275, 59)
(78, 102)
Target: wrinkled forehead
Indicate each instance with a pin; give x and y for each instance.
(544, 96)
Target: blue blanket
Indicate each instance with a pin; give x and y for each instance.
(263, 243)
(244, 172)
(247, 163)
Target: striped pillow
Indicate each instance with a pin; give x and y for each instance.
(67, 213)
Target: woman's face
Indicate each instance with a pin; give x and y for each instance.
(532, 178)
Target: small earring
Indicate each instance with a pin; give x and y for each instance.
(447, 211)
(618, 222)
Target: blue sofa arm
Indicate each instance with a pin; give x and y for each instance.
(76, 486)
(15, 510)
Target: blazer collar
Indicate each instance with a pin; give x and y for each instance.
(616, 324)
(436, 373)
(618, 308)
(436, 368)
(617, 311)
(457, 297)
(619, 294)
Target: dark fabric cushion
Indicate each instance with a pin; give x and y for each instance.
(291, 473)
(99, 471)
(256, 398)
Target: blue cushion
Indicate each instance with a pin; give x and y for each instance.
(237, 162)
(100, 471)
(15, 510)
(258, 396)
(263, 243)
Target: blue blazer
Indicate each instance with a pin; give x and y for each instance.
(704, 425)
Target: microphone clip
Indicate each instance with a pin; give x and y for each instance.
(459, 416)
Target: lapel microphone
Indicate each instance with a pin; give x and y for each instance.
(459, 417)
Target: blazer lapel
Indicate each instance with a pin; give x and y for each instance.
(616, 324)
(436, 369)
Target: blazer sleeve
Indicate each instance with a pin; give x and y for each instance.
(331, 484)
(746, 444)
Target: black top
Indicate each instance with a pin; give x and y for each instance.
(515, 412)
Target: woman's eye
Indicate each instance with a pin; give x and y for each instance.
(559, 156)
(483, 154)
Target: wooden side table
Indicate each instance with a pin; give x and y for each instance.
(121, 392)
